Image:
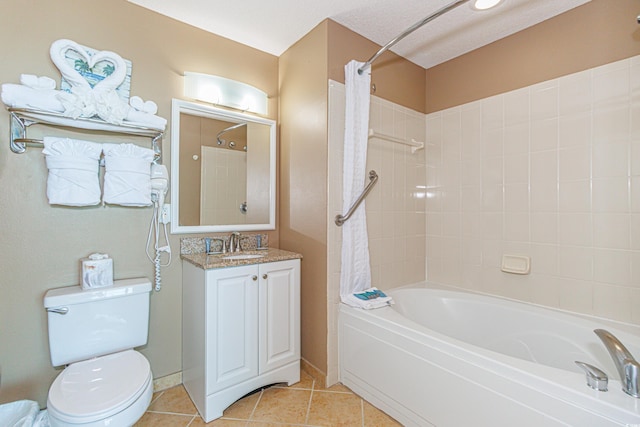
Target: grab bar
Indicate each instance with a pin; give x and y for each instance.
(341, 219)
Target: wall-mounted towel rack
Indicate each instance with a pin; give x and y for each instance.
(341, 219)
(415, 145)
(21, 119)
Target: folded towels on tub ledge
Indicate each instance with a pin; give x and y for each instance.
(73, 171)
(368, 299)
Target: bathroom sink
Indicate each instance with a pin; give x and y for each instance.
(243, 256)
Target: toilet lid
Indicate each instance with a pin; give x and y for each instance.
(98, 388)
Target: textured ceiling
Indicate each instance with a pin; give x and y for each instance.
(273, 26)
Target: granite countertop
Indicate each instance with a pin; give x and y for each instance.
(207, 262)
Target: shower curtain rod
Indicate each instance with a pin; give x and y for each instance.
(410, 30)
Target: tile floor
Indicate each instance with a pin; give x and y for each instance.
(302, 404)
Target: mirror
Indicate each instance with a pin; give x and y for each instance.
(223, 167)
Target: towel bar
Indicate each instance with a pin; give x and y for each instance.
(21, 119)
(341, 219)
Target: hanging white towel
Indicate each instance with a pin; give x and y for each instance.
(73, 171)
(127, 176)
(355, 273)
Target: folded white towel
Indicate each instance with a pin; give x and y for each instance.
(139, 118)
(127, 177)
(20, 96)
(148, 107)
(73, 171)
(367, 304)
(35, 82)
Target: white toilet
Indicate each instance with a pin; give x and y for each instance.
(106, 382)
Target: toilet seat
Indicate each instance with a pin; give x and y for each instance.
(99, 388)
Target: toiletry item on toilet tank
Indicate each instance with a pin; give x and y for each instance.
(97, 271)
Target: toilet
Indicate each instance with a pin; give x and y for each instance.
(93, 332)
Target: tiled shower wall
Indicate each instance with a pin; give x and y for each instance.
(395, 207)
(550, 171)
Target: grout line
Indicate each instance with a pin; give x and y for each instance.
(306, 419)
(362, 411)
(172, 413)
(256, 405)
(192, 420)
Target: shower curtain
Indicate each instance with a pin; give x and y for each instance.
(355, 273)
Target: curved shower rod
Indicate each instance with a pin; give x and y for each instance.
(410, 30)
(230, 128)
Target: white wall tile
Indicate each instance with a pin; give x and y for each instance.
(574, 163)
(575, 196)
(610, 195)
(557, 176)
(610, 160)
(575, 229)
(574, 93)
(544, 134)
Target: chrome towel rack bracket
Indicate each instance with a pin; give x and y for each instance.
(341, 219)
(21, 119)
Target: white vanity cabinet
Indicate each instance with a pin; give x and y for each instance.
(240, 331)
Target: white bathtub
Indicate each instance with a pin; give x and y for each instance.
(451, 358)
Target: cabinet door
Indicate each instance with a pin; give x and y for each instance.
(232, 326)
(279, 314)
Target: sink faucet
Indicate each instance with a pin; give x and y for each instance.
(625, 363)
(234, 242)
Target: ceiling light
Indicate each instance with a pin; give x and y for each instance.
(485, 4)
(226, 92)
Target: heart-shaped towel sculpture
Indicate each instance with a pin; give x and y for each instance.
(84, 100)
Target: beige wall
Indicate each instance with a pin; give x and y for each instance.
(345, 45)
(41, 244)
(303, 176)
(304, 72)
(596, 33)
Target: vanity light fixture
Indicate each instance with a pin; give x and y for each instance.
(485, 4)
(226, 92)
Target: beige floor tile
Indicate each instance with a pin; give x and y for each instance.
(306, 382)
(335, 409)
(243, 408)
(152, 419)
(374, 417)
(282, 405)
(174, 400)
(336, 387)
(220, 422)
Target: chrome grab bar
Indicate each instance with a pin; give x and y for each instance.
(341, 219)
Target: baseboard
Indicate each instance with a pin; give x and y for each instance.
(163, 383)
(317, 374)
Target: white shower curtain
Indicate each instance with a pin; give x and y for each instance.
(355, 273)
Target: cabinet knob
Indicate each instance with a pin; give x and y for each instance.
(264, 276)
(255, 278)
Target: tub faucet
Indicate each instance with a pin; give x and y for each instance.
(626, 365)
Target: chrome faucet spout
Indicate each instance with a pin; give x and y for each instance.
(628, 368)
(234, 242)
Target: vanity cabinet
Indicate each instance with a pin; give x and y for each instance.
(240, 331)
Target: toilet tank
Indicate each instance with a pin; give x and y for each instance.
(90, 323)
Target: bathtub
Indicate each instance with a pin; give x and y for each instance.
(442, 357)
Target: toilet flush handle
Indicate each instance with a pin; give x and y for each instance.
(59, 310)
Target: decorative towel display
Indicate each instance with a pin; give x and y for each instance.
(355, 273)
(97, 271)
(93, 89)
(368, 299)
(127, 176)
(73, 171)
